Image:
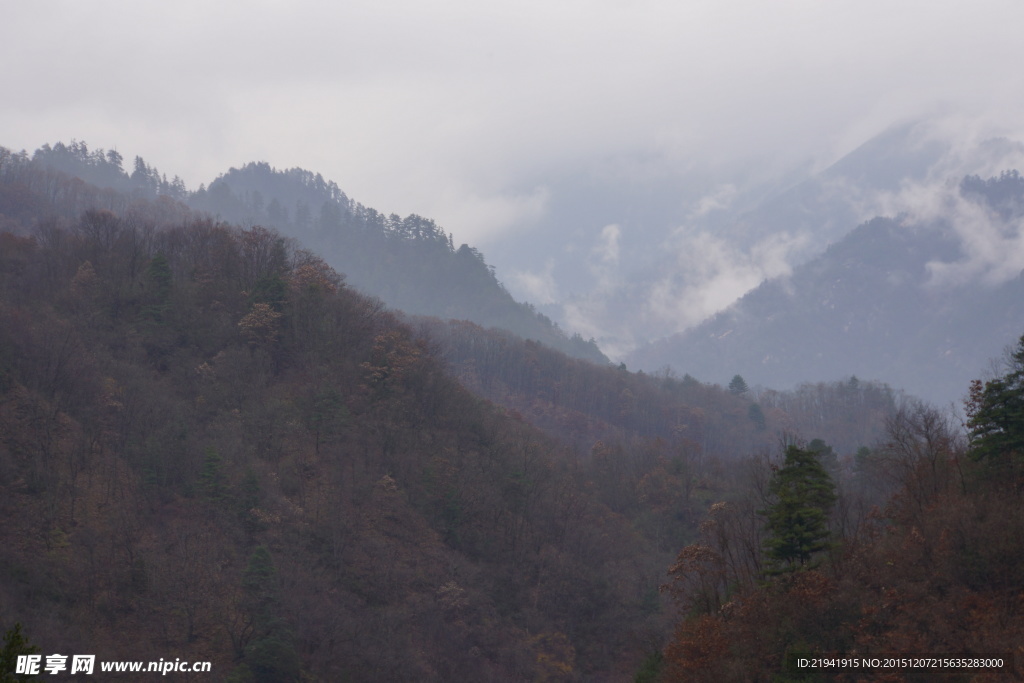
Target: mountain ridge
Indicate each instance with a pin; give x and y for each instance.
(410, 263)
(874, 304)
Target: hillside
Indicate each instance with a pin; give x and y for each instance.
(409, 263)
(211, 441)
(933, 571)
(582, 404)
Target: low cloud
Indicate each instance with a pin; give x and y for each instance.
(607, 249)
(711, 274)
(475, 217)
(539, 287)
(991, 247)
(702, 275)
(720, 199)
(699, 271)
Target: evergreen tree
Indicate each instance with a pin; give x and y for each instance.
(995, 412)
(738, 385)
(797, 520)
(141, 173)
(756, 415)
(15, 644)
(212, 481)
(271, 655)
(826, 456)
(158, 281)
(115, 159)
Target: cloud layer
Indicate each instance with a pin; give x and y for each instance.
(460, 111)
(480, 116)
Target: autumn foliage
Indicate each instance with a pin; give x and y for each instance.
(212, 447)
(936, 570)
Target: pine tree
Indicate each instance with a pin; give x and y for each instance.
(212, 481)
(995, 412)
(159, 281)
(15, 645)
(271, 655)
(797, 520)
(756, 415)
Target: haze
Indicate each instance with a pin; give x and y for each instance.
(558, 138)
(463, 112)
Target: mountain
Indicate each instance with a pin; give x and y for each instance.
(584, 404)
(630, 257)
(922, 300)
(212, 442)
(409, 263)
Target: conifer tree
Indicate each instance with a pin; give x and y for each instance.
(797, 519)
(15, 645)
(271, 655)
(756, 415)
(212, 481)
(995, 412)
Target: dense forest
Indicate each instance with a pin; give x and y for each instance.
(934, 570)
(210, 440)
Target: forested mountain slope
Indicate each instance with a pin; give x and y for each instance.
(409, 263)
(211, 441)
(582, 403)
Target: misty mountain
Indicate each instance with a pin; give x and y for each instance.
(661, 257)
(917, 300)
(211, 442)
(864, 183)
(409, 263)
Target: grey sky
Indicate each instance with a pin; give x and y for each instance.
(461, 111)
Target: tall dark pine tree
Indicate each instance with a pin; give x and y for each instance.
(797, 519)
(116, 160)
(15, 645)
(995, 412)
(270, 656)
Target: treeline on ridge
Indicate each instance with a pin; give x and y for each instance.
(409, 263)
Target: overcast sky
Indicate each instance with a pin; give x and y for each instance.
(463, 111)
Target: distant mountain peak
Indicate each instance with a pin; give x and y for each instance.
(920, 302)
